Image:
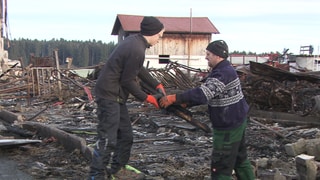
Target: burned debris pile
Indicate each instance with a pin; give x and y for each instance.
(273, 89)
(43, 82)
(166, 146)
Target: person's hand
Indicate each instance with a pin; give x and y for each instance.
(161, 89)
(167, 100)
(152, 100)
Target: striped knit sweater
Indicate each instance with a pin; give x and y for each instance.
(222, 92)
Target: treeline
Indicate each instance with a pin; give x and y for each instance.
(84, 53)
(252, 53)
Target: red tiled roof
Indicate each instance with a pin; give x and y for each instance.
(131, 23)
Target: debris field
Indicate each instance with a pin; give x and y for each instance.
(284, 110)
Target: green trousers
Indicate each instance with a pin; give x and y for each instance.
(230, 153)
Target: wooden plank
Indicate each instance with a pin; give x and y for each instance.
(285, 118)
(69, 141)
(12, 142)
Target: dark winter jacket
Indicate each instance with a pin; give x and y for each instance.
(118, 77)
(222, 92)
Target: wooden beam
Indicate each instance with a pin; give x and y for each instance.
(69, 141)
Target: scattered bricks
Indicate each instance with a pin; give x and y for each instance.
(296, 148)
(306, 167)
(262, 162)
(317, 135)
(313, 148)
(279, 176)
(310, 147)
(272, 175)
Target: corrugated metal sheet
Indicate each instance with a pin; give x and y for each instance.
(197, 25)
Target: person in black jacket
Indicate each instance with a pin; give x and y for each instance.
(116, 81)
(227, 109)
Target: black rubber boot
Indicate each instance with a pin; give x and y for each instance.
(99, 158)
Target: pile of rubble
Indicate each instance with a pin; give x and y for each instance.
(281, 143)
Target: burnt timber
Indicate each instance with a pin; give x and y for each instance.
(166, 146)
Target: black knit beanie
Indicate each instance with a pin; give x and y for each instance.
(219, 48)
(150, 26)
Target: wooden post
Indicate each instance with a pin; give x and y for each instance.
(69, 61)
(58, 75)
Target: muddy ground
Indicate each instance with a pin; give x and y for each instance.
(165, 146)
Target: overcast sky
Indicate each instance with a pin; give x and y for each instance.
(246, 25)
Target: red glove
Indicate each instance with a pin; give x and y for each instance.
(152, 100)
(161, 89)
(167, 100)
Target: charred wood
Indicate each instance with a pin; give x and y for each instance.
(273, 89)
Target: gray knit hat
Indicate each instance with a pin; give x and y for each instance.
(219, 48)
(150, 26)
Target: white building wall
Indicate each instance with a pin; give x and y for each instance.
(199, 62)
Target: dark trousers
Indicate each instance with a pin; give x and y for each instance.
(230, 153)
(114, 140)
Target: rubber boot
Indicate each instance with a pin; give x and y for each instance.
(99, 158)
(244, 171)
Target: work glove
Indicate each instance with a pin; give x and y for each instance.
(152, 100)
(166, 101)
(161, 89)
